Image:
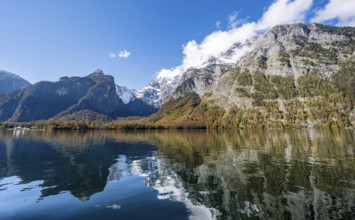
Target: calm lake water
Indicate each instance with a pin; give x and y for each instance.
(275, 174)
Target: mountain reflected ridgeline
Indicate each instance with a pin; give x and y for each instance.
(177, 174)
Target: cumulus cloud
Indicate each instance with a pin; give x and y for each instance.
(342, 10)
(214, 45)
(195, 54)
(170, 73)
(124, 54)
(284, 12)
(348, 22)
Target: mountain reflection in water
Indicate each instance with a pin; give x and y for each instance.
(178, 174)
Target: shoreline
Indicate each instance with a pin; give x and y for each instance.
(134, 125)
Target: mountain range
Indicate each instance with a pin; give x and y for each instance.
(11, 82)
(93, 97)
(293, 75)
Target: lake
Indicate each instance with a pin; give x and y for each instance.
(262, 174)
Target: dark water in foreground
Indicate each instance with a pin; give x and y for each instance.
(303, 174)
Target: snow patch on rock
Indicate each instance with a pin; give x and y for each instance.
(125, 94)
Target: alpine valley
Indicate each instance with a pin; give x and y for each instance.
(294, 75)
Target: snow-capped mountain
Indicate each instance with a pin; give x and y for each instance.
(11, 82)
(287, 77)
(168, 80)
(159, 89)
(133, 102)
(165, 84)
(125, 94)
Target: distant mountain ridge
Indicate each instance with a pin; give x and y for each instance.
(293, 75)
(10, 82)
(92, 97)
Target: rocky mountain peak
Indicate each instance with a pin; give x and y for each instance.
(125, 94)
(294, 75)
(99, 72)
(93, 97)
(11, 82)
(158, 90)
(296, 49)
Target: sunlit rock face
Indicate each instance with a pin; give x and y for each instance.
(293, 75)
(156, 91)
(136, 104)
(284, 50)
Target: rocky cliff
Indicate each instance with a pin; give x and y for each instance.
(292, 76)
(92, 97)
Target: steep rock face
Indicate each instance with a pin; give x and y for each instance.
(100, 97)
(46, 99)
(10, 82)
(125, 94)
(287, 78)
(139, 106)
(200, 81)
(158, 90)
(93, 96)
(286, 50)
(297, 49)
(9, 103)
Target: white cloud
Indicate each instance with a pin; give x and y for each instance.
(284, 12)
(218, 24)
(195, 55)
(170, 73)
(214, 45)
(124, 54)
(348, 22)
(233, 20)
(112, 55)
(342, 10)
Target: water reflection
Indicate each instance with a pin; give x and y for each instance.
(162, 178)
(43, 171)
(276, 174)
(189, 174)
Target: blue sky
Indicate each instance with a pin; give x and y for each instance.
(47, 39)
